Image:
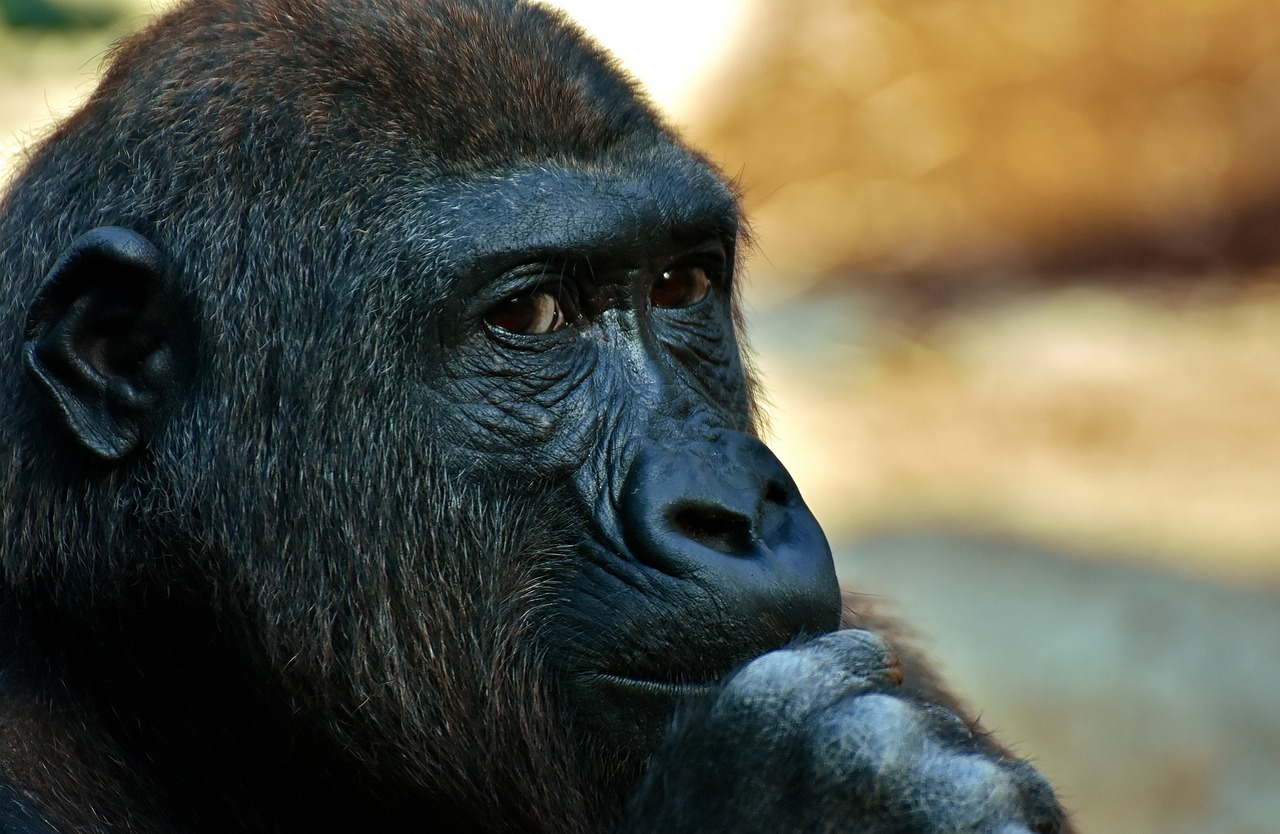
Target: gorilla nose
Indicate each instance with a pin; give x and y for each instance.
(726, 514)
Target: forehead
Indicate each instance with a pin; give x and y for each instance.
(667, 197)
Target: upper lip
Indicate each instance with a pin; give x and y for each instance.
(689, 645)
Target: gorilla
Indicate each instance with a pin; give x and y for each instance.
(379, 454)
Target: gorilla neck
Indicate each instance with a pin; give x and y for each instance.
(215, 751)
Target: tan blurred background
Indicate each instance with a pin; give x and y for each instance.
(1016, 299)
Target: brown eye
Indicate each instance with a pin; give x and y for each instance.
(536, 312)
(680, 286)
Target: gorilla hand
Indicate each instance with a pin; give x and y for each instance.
(821, 737)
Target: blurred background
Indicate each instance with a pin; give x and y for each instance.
(1016, 300)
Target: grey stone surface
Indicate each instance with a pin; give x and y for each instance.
(1152, 700)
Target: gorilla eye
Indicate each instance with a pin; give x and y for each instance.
(536, 312)
(680, 286)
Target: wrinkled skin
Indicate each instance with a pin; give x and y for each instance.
(379, 454)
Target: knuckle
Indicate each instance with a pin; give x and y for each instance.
(869, 734)
(774, 682)
(803, 678)
(862, 653)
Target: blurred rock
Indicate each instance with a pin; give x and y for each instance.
(1151, 701)
(1101, 422)
(1003, 139)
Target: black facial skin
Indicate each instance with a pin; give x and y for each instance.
(680, 502)
(378, 453)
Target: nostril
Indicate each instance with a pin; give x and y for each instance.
(725, 516)
(715, 527)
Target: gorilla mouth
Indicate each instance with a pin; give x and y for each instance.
(675, 688)
(702, 674)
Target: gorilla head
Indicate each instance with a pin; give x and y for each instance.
(377, 438)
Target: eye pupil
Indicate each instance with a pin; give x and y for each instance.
(680, 286)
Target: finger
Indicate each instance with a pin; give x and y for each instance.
(790, 683)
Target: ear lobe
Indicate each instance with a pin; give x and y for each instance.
(101, 341)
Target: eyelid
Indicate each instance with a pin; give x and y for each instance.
(712, 258)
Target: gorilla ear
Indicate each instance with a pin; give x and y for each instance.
(100, 341)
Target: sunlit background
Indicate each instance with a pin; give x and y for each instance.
(1016, 301)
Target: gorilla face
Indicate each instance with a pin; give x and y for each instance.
(399, 341)
(590, 350)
